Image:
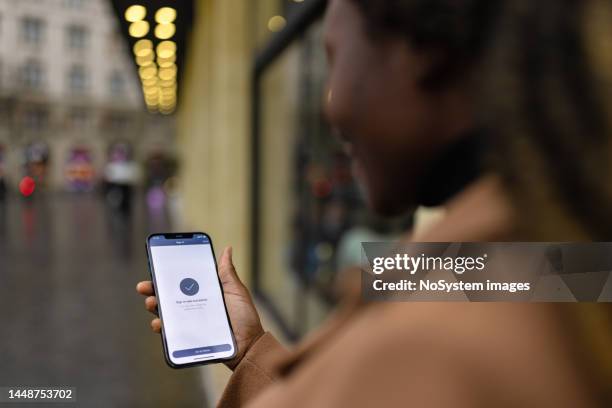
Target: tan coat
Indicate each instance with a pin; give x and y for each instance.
(421, 354)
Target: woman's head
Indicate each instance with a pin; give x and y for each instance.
(400, 86)
(410, 77)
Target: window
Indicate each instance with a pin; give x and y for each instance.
(77, 37)
(32, 30)
(77, 79)
(35, 118)
(32, 75)
(117, 84)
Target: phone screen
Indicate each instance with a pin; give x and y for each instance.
(190, 301)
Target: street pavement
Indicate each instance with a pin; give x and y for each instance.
(69, 314)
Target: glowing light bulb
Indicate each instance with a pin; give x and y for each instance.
(165, 15)
(135, 13)
(276, 23)
(139, 29)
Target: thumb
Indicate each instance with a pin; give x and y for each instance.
(227, 271)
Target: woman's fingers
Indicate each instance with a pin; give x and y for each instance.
(151, 304)
(145, 288)
(156, 325)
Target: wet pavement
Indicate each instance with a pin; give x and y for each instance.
(69, 312)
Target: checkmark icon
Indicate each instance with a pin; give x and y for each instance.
(189, 286)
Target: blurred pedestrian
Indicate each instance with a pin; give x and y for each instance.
(120, 175)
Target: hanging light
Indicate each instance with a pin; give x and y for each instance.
(166, 49)
(165, 31)
(166, 62)
(139, 29)
(135, 13)
(142, 48)
(147, 72)
(165, 15)
(146, 59)
(276, 23)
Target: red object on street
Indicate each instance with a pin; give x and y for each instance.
(27, 186)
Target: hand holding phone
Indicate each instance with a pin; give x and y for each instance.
(196, 327)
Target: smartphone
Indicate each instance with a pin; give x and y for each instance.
(196, 328)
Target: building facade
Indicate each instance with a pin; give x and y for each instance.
(68, 88)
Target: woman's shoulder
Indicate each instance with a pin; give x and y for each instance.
(495, 350)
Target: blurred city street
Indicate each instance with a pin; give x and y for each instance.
(71, 316)
(112, 105)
